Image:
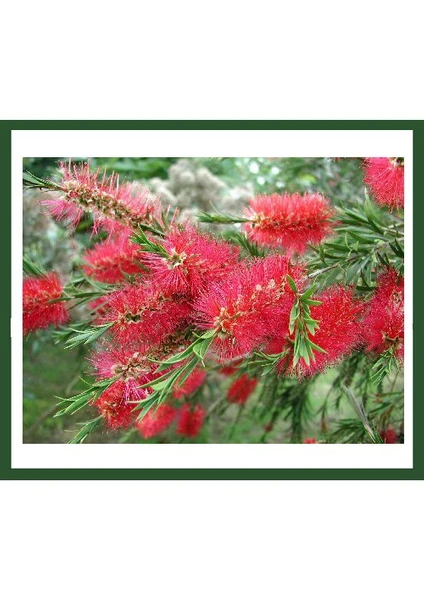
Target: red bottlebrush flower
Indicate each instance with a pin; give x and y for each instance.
(142, 312)
(112, 260)
(389, 435)
(383, 325)
(156, 420)
(241, 388)
(190, 385)
(385, 178)
(244, 305)
(338, 333)
(190, 420)
(310, 441)
(38, 309)
(85, 190)
(230, 368)
(194, 259)
(115, 406)
(126, 361)
(289, 220)
(134, 365)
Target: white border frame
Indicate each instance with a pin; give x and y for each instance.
(205, 143)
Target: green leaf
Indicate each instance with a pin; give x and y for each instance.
(221, 219)
(148, 245)
(308, 292)
(88, 336)
(251, 248)
(317, 348)
(88, 428)
(30, 268)
(294, 314)
(292, 284)
(313, 302)
(360, 411)
(80, 400)
(32, 181)
(312, 325)
(383, 366)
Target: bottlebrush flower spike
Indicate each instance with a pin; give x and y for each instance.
(389, 435)
(310, 441)
(134, 367)
(129, 363)
(112, 260)
(115, 406)
(230, 368)
(115, 206)
(241, 388)
(289, 220)
(243, 306)
(144, 313)
(134, 363)
(38, 309)
(190, 420)
(383, 325)
(156, 420)
(194, 259)
(385, 178)
(338, 333)
(190, 385)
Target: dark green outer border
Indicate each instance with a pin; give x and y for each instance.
(6, 472)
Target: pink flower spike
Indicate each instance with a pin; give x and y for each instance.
(389, 435)
(290, 221)
(241, 388)
(142, 312)
(383, 325)
(244, 306)
(194, 260)
(112, 205)
(190, 420)
(190, 385)
(38, 309)
(133, 364)
(385, 178)
(156, 420)
(112, 260)
(114, 406)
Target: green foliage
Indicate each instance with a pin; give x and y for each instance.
(31, 269)
(302, 325)
(75, 403)
(86, 430)
(220, 219)
(250, 248)
(367, 241)
(148, 245)
(84, 335)
(384, 365)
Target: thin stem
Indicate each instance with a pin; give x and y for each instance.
(236, 421)
(341, 263)
(394, 380)
(330, 267)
